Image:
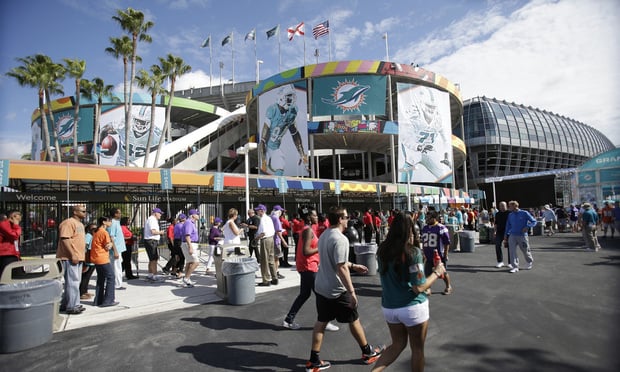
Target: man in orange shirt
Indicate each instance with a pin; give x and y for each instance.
(71, 243)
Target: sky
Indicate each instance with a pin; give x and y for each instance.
(557, 55)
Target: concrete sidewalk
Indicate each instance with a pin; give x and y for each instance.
(563, 315)
(142, 297)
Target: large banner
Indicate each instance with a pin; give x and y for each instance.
(283, 131)
(112, 133)
(349, 95)
(424, 135)
(66, 126)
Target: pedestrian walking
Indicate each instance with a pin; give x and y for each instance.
(517, 226)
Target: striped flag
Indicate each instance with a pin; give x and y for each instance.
(273, 32)
(227, 40)
(321, 29)
(250, 35)
(298, 30)
(206, 42)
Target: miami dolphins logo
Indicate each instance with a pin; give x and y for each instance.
(348, 95)
(65, 127)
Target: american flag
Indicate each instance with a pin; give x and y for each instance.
(298, 30)
(321, 29)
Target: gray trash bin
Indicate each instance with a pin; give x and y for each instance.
(27, 311)
(538, 229)
(466, 239)
(366, 254)
(239, 273)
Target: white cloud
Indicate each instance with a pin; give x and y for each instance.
(194, 79)
(13, 148)
(560, 56)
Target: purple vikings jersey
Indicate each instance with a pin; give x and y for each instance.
(434, 237)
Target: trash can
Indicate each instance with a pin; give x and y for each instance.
(484, 234)
(27, 311)
(467, 238)
(223, 253)
(366, 254)
(239, 273)
(538, 229)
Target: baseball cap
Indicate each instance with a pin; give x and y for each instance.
(182, 216)
(217, 220)
(157, 210)
(260, 207)
(194, 211)
(278, 208)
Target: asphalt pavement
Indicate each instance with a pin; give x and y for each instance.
(562, 315)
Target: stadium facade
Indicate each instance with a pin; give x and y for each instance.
(525, 148)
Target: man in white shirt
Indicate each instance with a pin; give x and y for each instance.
(152, 234)
(265, 234)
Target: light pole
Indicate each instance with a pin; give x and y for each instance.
(408, 170)
(258, 63)
(245, 150)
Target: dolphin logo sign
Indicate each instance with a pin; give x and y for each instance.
(65, 127)
(348, 95)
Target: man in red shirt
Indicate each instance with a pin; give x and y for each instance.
(369, 226)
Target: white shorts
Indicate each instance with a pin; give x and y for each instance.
(189, 258)
(409, 316)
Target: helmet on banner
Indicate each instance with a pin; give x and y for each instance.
(426, 101)
(287, 96)
(141, 121)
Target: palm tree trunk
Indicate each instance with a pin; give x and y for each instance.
(53, 122)
(96, 132)
(46, 132)
(76, 118)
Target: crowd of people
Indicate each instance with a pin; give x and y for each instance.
(412, 254)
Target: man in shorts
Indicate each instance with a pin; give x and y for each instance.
(335, 294)
(152, 234)
(190, 246)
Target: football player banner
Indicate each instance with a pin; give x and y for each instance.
(283, 131)
(112, 133)
(424, 134)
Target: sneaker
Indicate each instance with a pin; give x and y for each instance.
(331, 327)
(529, 266)
(290, 325)
(509, 266)
(499, 264)
(514, 270)
(375, 353)
(317, 366)
(188, 283)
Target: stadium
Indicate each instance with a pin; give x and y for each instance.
(370, 131)
(515, 148)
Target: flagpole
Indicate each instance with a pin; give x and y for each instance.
(329, 34)
(387, 50)
(232, 51)
(210, 67)
(279, 51)
(255, 55)
(304, 36)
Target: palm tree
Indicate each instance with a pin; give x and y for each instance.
(90, 89)
(56, 73)
(153, 83)
(121, 48)
(75, 69)
(172, 67)
(133, 22)
(34, 72)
